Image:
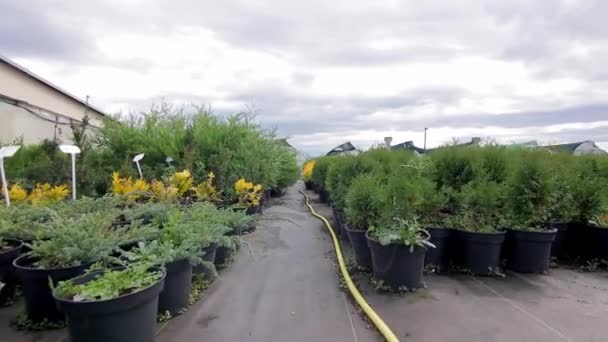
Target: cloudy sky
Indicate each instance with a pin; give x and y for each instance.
(323, 72)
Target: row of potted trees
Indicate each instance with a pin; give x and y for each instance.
(111, 265)
(468, 207)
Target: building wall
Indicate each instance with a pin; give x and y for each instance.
(16, 122)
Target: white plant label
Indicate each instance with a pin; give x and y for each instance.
(72, 150)
(136, 161)
(6, 152)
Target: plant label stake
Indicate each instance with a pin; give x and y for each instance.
(6, 152)
(73, 150)
(136, 161)
(169, 160)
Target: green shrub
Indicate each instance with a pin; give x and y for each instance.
(480, 207)
(341, 174)
(530, 193)
(319, 173)
(455, 167)
(366, 204)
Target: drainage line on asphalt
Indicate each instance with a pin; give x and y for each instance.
(371, 314)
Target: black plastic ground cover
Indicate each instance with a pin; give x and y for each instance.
(39, 301)
(529, 251)
(176, 293)
(397, 265)
(358, 242)
(478, 253)
(129, 318)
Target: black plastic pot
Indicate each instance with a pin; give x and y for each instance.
(397, 265)
(438, 257)
(308, 185)
(254, 210)
(176, 292)
(358, 242)
(221, 255)
(128, 318)
(338, 226)
(598, 242)
(560, 243)
(529, 251)
(39, 301)
(277, 192)
(323, 196)
(7, 255)
(209, 257)
(478, 253)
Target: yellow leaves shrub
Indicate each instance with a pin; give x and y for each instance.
(249, 194)
(206, 191)
(162, 193)
(45, 194)
(182, 181)
(307, 170)
(17, 194)
(126, 186)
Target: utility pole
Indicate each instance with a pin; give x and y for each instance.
(425, 129)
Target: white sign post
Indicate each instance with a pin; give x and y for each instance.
(6, 152)
(168, 160)
(136, 161)
(73, 150)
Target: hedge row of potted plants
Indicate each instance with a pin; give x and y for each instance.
(171, 138)
(471, 207)
(111, 266)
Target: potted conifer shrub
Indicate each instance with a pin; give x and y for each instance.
(118, 305)
(365, 204)
(72, 245)
(397, 251)
(477, 220)
(177, 249)
(529, 199)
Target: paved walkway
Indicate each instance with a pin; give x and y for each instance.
(283, 286)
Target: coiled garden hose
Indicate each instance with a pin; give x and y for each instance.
(367, 309)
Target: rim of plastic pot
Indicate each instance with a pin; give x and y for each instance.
(538, 231)
(60, 299)
(29, 257)
(496, 232)
(394, 244)
(18, 245)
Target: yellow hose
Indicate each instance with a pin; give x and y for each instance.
(371, 314)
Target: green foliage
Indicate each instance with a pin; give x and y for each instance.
(319, 173)
(455, 167)
(365, 202)
(75, 241)
(480, 207)
(406, 232)
(110, 284)
(529, 194)
(341, 174)
(39, 163)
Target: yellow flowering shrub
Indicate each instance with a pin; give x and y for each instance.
(126, 186)
(182, 181)
(17, 194)
(45, 194)
(206, 191)
(308, 168)
(249, 194)
(162, 193)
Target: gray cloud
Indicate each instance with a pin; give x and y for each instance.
(551, 38)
